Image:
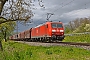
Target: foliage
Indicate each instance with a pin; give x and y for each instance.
(48, 52)
(6, 28)
(78, 25)
(78, 38)
(19, 51)
(80, 29)
(67, 30)
(20, 10)
(87, 27)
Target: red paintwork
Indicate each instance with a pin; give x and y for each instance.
(39, 31)
(43, 31)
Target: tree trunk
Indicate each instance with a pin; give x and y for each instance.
(1, 48)
(5, 37)
(2, 2)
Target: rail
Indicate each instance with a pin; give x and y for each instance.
(72, 34)
(78, 45)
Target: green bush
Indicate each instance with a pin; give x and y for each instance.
(49, 52)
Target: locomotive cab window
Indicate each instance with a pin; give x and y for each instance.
(59, 26)
(55, 25)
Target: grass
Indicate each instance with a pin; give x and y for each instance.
(20, 51)
(78, 38)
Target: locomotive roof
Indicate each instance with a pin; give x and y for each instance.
(39, 25)
(46, 23)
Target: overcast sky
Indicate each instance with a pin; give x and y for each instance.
(63, 10)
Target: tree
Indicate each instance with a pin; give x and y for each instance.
(87, 27)
(18, 10)
(71, 25)
(67, 30)
(2, 2)
(6, 29)
(80, 29)
(79, 25)
(76, 23)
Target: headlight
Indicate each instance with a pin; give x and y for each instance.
(61, 30)
(53, 30)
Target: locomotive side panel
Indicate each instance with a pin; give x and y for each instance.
(36, 34)
(42, 31)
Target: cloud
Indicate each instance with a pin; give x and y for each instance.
(82, 13)
(64, 10)
(70, 9)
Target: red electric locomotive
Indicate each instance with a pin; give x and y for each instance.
(45, 32)
(48, 31)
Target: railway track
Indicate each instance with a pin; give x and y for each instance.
(47, 44)
(72, 43)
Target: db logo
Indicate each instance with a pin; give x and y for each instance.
(37, 31)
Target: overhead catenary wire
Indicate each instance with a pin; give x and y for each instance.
(64, 5)
(59, 8)
(75, 12)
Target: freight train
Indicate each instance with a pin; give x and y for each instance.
(49, 31)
